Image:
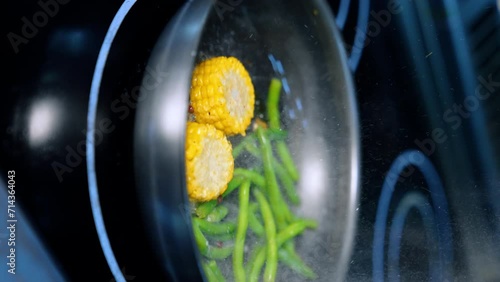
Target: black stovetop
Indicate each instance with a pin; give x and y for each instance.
(429, 158)
(430, 162)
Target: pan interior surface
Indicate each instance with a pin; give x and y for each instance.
(296, 42)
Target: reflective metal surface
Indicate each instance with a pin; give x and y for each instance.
(159, 142)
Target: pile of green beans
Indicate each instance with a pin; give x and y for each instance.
(263, 208)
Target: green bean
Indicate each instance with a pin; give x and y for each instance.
(289, 245)
(218, 253)
(309, 223)
(212, 228)
(280, 209)
(200, 239)
(292, 230)
(250, 139)
(273, 98)
(223, 237)
(273, 116)
(239, 243)
(211, 277)
(295, 263)
(252, 256)
(277, 134)
(232, 185)
(253, 176)
(216, 271)
(287, 160)
(239, 148)
(293, 260)
(259, 258)
(217, 214)
(253, 222)
(204, 209)
(287, 183)
(270, 228)
(283, 175)
(256, 264)
(252, 149)
(205, 248)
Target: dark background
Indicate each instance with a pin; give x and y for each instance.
(409, 75)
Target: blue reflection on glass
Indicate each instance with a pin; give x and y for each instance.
(342, 14)
(440, 206)
(279, 68)
(273, 61)
(359, 38)
(280, 71)
(298, 102)
(304, 123)
(286, 87)
(91, 122)
(409, 201)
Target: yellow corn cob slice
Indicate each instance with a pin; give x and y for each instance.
(222, 94)
(209, 162)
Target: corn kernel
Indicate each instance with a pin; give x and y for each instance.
(209, 162)
(222, 94)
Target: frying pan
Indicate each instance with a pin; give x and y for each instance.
(295, 41)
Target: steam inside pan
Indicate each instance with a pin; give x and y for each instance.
(294, 43)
